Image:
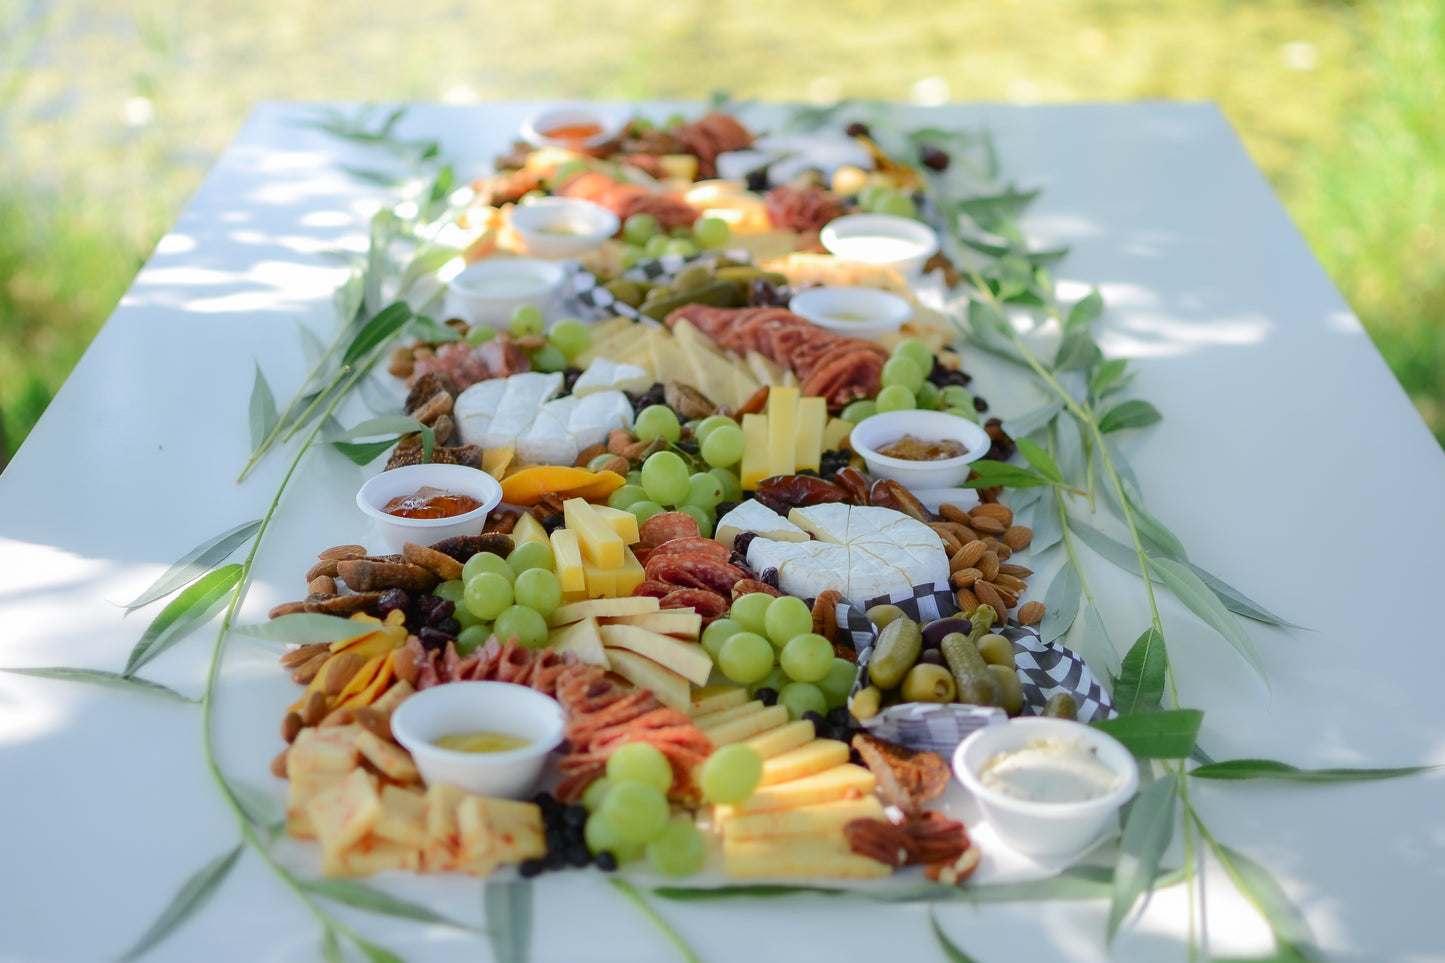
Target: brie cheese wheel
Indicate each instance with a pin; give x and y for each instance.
(862, 551)
(606, 375)
(546, 441)
(752, 516)
(522, 412)
(518, 407)
(597, 415)
(473, 410)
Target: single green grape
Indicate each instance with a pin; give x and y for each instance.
(567, 170)
(712, 233)
(634, 811)
(703, 516)
(802, 697)
(706, 425)
(525, 625)
(538, 589)
(571, 337)
(787, 616)
(634, 477)
(856, 411)
(645, 509)
(724, 446)
(665, 477)
(679, 850)
(471, 638)
(836, 685)
(631, 255)
(871, 194)
(745, 657)
(479, 334)
(548, 358)
(596, 462)
(595, 792)
(601, 839)
(929, 396)
(532, 555)
(639, 228)
(703, 490)
(640, 762)
(751, 611)
(528, 319)
(807, 658)
(453, 591)
(916, 351)
(898, 204)
(957, 396)
(656, 246)
(774, 680)
(681, 246)
(657, 421)
(718, 632)
(732, 487)
(488, 595)
(971, 413)
(626, 496)
(899, 370)
(896, 398)
(487, 562)
(730, 774)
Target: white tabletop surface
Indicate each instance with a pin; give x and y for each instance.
(1289, 462)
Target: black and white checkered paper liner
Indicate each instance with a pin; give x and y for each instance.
(595, 301)
(1045, 670)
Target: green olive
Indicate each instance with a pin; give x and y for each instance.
(1062, 706)
(926, 682)
(1013, 691)
(864, 704)
(628, 292)
(881, 615)
(692, 277)
(996, 650)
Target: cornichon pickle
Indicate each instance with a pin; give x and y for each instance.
(628, 292)
(996, 650)
(895, 652)
(881, 615)
(929, 683)
(1062, 706)
(864, 703)
(692, 277)
(1008, 683)
(976, 685)
(718, 294)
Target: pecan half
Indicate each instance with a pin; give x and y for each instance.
(878, 840)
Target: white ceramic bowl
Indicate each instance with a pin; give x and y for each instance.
(487, 292)
(459, 707)
(886, 240)
(878, 430)
(427, 531)
(542, 129)
(1050, 829)
(562, 226)
(856, 312)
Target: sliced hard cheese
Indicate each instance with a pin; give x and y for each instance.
(821, 819)
(567, 555)
(623, 523)
(687, 659)
(600, 542)
(840, 782)
(782, 430)
(808, 443)
(601, 580)
(680, 622)
(755, 463)
(582, 640)
(715, 698)
(670, 688)
(528, 529)
(798, 857)
(629, 576)
(727, 715)
(814, 757)
(783, 738)
(835, 433)
(737, 730)
(602, 608)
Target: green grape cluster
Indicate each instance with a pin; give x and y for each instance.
(643, 238)
(630, 816)
(666, 482)
(906, 386)
(768, 642)
(508, 597)
(566, 339)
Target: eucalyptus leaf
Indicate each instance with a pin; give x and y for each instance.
(1133, 413)
(983, 315)
(430, 329)
(1040, 460)
(1114, 551)
(1105, 374)
(381, 425)
(425, 263)
(1047, 257)
(1061, 603)
(1008, 203)
(950, 949)
(1260, 887)
(194, 606)
(304, 628)
(311, 347)
(1147, 832)
(1086, 310)
(1068, 448)
(1077, 351)
(1240, 769)
(359, 895)
(372, 175)
(110, 680)
(509, 920)
(1014, 276)
(377, 332)
(991, 473)
(1048, 527)
(192, 895)
(1096, 646)
(1027, 424)
(1239, 603)
(1140, 687)
(260, 809)
(1170, 734)
(1201, 600)
(365, 452)
(1153, 531)
(698, 894)
(196, 562)
(374, 953)
(331, 946)
(348, 297)
(263, 410)
(383, 230)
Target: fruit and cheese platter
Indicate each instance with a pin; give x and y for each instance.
(705, 509)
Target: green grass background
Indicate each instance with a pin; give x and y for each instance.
(111, 111)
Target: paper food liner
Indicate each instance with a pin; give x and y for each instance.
(595, 302)
(1045, 670)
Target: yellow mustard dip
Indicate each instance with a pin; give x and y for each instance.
(481, 742)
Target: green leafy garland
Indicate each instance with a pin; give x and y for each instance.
(1066, 443)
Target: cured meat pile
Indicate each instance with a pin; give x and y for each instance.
(805, 210)
(603, 715)
(466, 364)
(837, 368)
(495, 661)
(710, 136)
(625, 200)
(684, 570)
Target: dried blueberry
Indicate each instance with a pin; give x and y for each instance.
(434, 640)
(531, 867)
(838, 716)
(606, 861)
(766, 695)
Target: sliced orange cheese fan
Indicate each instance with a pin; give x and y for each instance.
(528, 485)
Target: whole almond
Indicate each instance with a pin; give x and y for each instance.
(988, 595)
(988, 525)
(1010, 599)
(307, 670)
(988, 566)
(339, 552)
(278, 765)
(616, 464)
(321, 585)
(993, 510)
(325, 567)
(589, 453)
(286, 608)
(338, 671)
(340, 716)
(1017, 571)
(1000, 549)
(304, 654)
(967, 601)
(619, 440)
(376, 722)
(973, 551)
(964, 577)
(291, 726)
(951, 544)
(1031, 613)
(954, 514)
(1017, 537)
(403, 665)
(313, 709)
(1009, 583)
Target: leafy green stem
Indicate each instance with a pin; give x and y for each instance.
(675, 938)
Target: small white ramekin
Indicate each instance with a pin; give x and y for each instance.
(862, 237)
(562, 226)
(888, 426)
(487, 292)
(396, 531)
(854, 312)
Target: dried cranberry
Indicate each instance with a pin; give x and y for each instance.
(857, 129)
(393, 599)
(434, 640)
(933, 158)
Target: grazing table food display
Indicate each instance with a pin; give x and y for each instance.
(650, 532)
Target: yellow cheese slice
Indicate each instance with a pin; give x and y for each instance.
(528, 529)
(629, 576)
(813, 757)
(798, 857)
(764, 369)
(623, 523)
(756, 452)
(744, 386)
(687, 659)
(582, 640)
(601, 581)
(403, 816)
(602, 609)
(683, 623)
(840, 782)
(567, 555)
(715, 698)
(727, 715)
(670, 688)
(783, 738)
(782, 430)
(808, 449)
(821, 819)
(835, 433)
(738, 730)
(600, 542)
